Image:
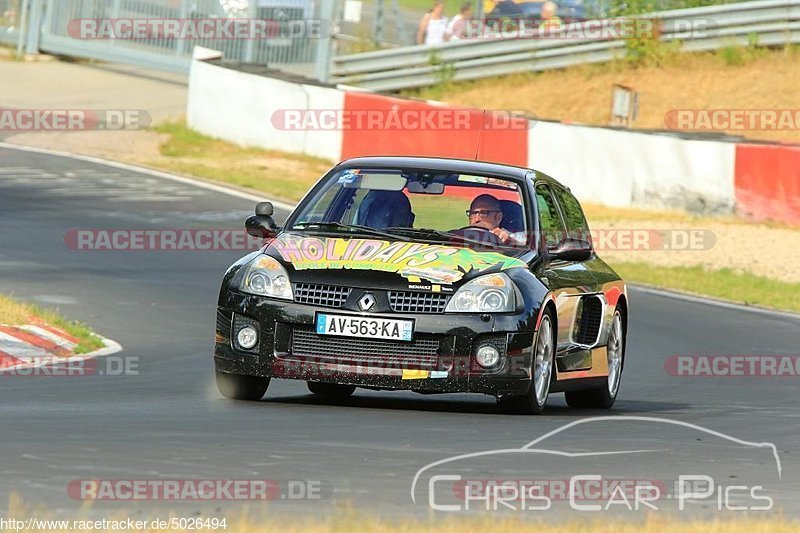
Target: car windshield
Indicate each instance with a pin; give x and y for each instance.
(421, 205)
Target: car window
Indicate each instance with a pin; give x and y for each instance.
(386, 198)
(577, 228)
(320, 207)
(549, 219)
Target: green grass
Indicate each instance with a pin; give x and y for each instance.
(280, 174)
(725, 284)
(438, 212)
(16, 313)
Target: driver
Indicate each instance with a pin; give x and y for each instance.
(485, 212)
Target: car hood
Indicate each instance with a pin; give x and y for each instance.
(405, 262)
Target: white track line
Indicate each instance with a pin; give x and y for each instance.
(157, 173)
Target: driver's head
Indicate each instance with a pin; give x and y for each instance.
(484, 211)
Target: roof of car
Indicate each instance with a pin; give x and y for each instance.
(438, 163)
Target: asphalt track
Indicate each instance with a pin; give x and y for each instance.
(169, 422)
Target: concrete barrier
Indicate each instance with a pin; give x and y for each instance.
(767, 182)
(613, 167)
(624, 168)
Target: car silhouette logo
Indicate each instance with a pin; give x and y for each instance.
(366, 302)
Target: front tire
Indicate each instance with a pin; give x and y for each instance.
(605, 396)
(542, 373)
(240, 387)
(331, 391)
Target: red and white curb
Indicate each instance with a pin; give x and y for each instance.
(39, 344)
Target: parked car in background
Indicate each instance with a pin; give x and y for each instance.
(568, 10)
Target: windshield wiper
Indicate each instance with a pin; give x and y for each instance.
(348, 227)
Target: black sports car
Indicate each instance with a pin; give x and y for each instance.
(431, 275)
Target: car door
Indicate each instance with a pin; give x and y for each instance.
(572, 283)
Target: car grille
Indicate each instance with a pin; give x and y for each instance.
(322, 295)
(422, 352)
(417, 302)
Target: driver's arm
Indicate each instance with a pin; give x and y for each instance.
(506, 237)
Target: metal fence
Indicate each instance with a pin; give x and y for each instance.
(763, 22)
(298, 32)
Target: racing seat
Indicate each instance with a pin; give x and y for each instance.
(385, 209)
(513, 221)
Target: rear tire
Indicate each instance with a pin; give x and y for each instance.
(240, 387)
(332, 391)
(534, 401)
(605, 396)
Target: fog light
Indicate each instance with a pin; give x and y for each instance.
(247, 337)
(487, 355)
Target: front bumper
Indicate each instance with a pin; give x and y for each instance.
(440, 359)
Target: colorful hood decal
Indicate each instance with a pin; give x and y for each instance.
(414, 261)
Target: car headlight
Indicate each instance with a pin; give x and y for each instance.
(265, 276)
(492, 293)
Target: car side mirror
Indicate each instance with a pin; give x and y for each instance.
(262, 224)
(571, 250)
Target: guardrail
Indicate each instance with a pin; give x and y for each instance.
(770, 22)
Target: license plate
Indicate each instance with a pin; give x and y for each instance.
(365, 327)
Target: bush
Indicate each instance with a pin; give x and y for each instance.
(733, 56)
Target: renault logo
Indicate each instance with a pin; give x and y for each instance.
(366, 302)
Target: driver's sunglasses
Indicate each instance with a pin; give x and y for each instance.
(481, 212)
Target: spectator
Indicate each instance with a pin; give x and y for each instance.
(550, 20)
(433, 26)
(457, 29)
